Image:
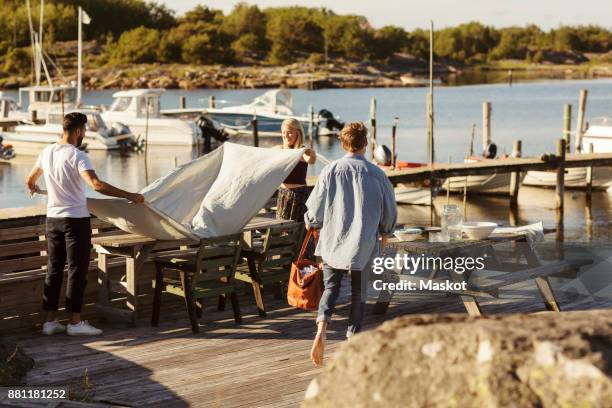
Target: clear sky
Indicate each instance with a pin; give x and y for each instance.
(411, 14)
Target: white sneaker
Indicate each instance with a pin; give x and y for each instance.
(53, 327)
(83, 328)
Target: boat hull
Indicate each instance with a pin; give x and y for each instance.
(266, 125)
(406, 194)
(497, 184)
(574, 178)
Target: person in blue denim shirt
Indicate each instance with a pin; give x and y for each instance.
(353, 205)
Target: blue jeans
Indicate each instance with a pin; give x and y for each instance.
(331, 279)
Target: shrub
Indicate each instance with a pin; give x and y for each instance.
(138, 45)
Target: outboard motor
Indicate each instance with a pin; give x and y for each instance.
(210, 130)
(490, 152)
(382, 155)
(118, 128)
(329, 121)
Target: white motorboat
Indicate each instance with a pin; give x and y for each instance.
(130, 108)
(599, 134)
(10, 109)
(574, 178)
(46, 98)
(480, 184)
(270, 109)
(31, 139)
(408, 194)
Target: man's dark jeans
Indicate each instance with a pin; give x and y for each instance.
(68, 239)
(331, 279)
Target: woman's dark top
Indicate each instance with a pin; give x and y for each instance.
(298, 174)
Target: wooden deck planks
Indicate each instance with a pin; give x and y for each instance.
(263, 363)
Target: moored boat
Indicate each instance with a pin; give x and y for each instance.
(139, 109)
(270, 109)
(31, 139)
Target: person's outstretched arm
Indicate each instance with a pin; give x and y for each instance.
(32, 178)
(309, 156)
(103, 187)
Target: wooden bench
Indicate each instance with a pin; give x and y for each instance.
(208, 272)
(23, 263)
(269, 259)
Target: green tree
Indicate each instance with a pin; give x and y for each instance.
(388, 40)
(248, 25)
(16, 61)
(205, 43)
(203, 14)
(293, 31)
(137, 45)
(118, 16)
(465, 41)
(349, 36)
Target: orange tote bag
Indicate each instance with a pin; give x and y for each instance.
(305, 290)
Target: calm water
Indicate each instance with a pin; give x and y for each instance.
(532, 112)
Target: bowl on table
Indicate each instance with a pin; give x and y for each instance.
(478, 230)
(408, 234)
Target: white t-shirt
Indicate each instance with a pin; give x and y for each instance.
(62, 165)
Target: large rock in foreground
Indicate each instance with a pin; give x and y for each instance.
(542, 360)
(14, 364)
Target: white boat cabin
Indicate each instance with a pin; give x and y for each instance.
(134, 103)
(43, 99)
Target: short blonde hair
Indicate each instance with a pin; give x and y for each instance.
(295, 124)
(354, 136)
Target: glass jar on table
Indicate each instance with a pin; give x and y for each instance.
(452, 221)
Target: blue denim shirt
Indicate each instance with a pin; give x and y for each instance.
(351, 204)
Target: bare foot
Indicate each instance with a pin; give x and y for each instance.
(318, 349)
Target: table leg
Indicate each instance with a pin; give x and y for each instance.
(550, 302)
(103, 291)
(546, 291)
(133, 265)
(469, 302)
(384, 296)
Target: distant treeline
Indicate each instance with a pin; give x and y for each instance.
(134, 31)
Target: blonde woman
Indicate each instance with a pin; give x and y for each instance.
(292, 195)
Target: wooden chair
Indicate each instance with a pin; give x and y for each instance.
(208, 271)
(269, 259)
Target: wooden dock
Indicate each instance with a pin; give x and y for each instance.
(510, 165)
(262, 363)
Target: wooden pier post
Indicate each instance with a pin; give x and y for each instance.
(450, 160)
(486, 124)
(255, 132)
(580, 120)
(182, 102)
(373, 125)
(4, 108)
(310, 124)
(589, 180)
(211, 102)
(567, 126)
(560, 189)
(393, 133)
(515, 177)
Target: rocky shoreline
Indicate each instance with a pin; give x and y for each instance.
(403, 71)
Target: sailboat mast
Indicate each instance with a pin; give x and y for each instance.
(35, 72)
(80, 59)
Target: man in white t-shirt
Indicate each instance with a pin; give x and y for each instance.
(66, 169)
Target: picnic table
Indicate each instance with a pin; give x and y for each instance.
(136, 249)
(513, 271)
